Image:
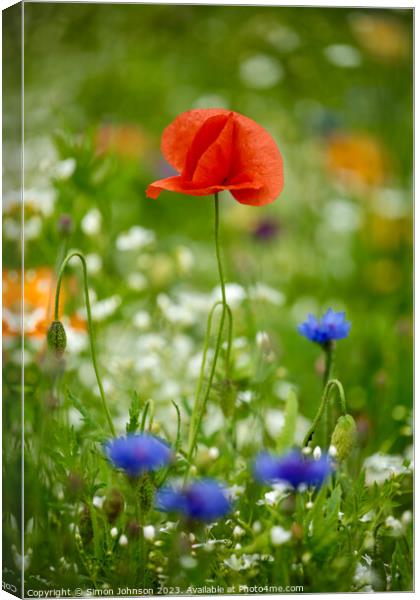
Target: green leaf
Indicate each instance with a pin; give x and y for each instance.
(287, 436)
(87, 418)
(134, 413)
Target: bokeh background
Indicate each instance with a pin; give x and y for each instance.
(334, 87)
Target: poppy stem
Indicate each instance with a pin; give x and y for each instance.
(218, 252)
(226, 307)
(200, 407)
(90, 325)
(331, 384)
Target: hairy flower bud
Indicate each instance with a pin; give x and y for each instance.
(344, 436)
(57, 338)
(146, 492)
(113, 505)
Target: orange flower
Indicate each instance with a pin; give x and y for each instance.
(215, 149)
(37, 305)
(357, 159)
(385, 38)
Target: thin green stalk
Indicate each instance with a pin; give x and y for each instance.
(329, 366)
(196, 407)
(90, 326)
(331, 384)
(200, 406)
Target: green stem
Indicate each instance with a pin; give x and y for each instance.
(329, 366)
(90, 326)
(218, 251)
(199, 407)
(331, 384)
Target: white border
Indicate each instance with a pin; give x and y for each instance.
(384, 4)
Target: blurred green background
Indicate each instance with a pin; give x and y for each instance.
(333, 86)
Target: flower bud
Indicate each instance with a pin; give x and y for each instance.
(65, 224)
(146, 492)
(344, 436)
(56, 338)
(113, 505)
(133, 529)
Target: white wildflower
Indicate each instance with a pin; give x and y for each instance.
(367, 517)
(394, 525)
(91, 222)
(238, 531)
(332, 451)
(279, 536)
(317, 453)
(235, 294)
(379, 467)
(98, 501)
(274, 421)
(261, 71)
(214, 453)
(343, 55)
(265, 293)
(235, 491)
(239, 563)
(142, 319)
(94, 263)
(137, 281)
(188, 562)
(407, 517)
(149, 532)
(65, 168)
(106, 307)
(184, 258)
(244, 397)
(135, 238)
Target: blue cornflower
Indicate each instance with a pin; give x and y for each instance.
(331, 326)
(292, 468)
(137, 453)
(204, 500)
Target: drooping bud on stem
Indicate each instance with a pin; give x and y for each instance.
(344, 436)
(56, 338)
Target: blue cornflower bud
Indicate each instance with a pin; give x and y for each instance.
(204, 500)
(292, 468)
(331, 326)
(138, 453)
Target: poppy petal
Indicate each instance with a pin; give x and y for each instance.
(214, 165)
(179, 135)
(178, 184)
(256, 153)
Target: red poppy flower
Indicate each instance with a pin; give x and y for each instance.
(215, 149)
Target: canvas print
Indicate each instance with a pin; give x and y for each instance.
(207, 300)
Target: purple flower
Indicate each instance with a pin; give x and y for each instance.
(331, 326)
(292, 468)
(137, 453)
(266, 230)
(204, 500)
